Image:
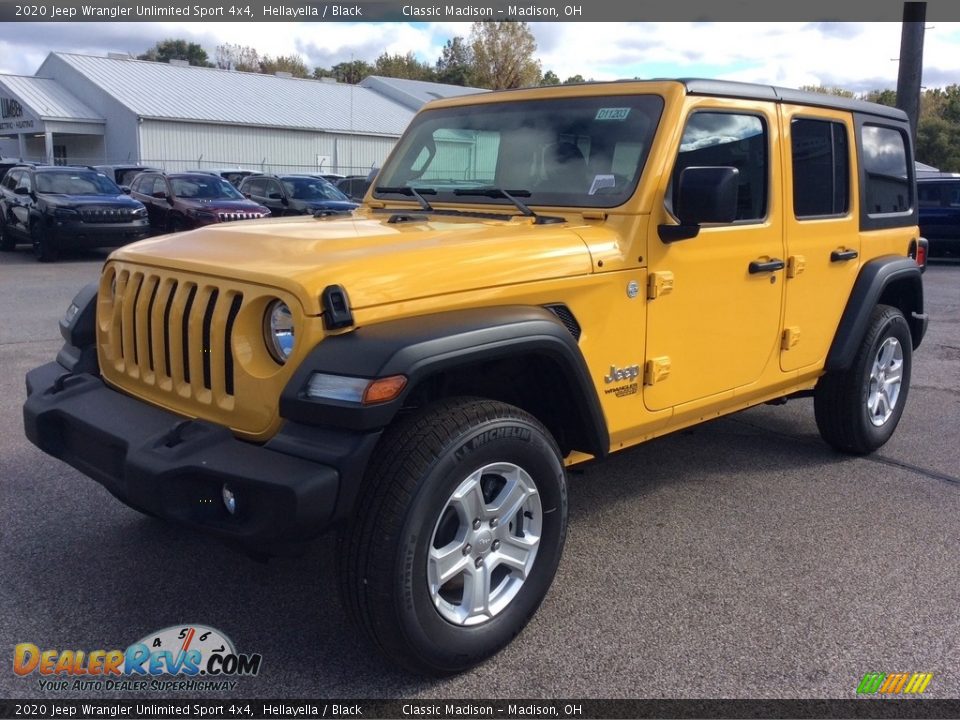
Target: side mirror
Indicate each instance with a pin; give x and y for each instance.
(159, 195)
(125, 189)
(703, 195)
(275, 196)
(21, 191)
(248, 196)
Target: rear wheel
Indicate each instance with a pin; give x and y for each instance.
(44, 247)
(458, 536)
(858, 409)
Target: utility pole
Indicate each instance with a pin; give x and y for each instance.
(911, 62)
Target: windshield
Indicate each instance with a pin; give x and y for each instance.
(311, 189)
(76, 183)
(586, 152)
(209, 187)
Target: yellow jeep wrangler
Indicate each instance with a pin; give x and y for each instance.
(537, 278)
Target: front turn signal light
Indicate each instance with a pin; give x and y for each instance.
(384, 389)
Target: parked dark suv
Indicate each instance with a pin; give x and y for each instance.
(123, 175)
(295, 194)
(183, 201)
(939, 199)
(235, 176)
(57, 208)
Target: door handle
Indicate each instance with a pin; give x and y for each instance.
(843, 255)
(762, 266)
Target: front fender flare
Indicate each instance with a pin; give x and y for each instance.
(419, 347)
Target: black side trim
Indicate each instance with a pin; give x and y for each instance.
(875, 277)
(419, 347)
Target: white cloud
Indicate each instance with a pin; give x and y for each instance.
(857, 56)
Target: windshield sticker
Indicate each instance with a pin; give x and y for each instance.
(612, 113)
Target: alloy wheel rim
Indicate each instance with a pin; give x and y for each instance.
(484, 544)
(886, 379)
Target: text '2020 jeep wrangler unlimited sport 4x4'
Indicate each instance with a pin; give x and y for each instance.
(537, 278)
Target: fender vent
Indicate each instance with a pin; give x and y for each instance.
(566, 317)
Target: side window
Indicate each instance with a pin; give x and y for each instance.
(953, 194)
(928, 194)
(721, 139)
(821, 168)
(255, 187)
(10, 181)
(886, 180)
(159, 185)
(273, 188)
(137, 185)
(26, 181)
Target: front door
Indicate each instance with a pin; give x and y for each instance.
(714, 324)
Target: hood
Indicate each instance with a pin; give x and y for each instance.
(80, 201)
(376, 262)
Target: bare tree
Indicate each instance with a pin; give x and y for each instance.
(230, 56)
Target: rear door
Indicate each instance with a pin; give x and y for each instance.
(717, 328)
(822, 230)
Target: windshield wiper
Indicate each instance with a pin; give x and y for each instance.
(491, 191)
(417, 193)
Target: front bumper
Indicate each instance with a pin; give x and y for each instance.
(175, 468)
(82, 234)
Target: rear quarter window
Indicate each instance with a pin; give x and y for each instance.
(887, 181)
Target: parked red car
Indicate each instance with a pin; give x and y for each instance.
(183, 201)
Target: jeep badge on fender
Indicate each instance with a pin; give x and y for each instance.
(417, 375)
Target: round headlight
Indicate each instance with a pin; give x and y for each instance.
(278, 330)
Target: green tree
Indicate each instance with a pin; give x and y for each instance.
(230, 56)
(174, 49)
(883, 97)
(346, 72)
(578, 78)
(455, 64)
(549, 78)
(403, 66)
(503, 55)
(292, 64)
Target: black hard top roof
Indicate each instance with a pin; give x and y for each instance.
(728, 88)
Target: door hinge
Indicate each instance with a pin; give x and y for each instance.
(791, 336)
(796, 264)
(656, 370)
(659, 283)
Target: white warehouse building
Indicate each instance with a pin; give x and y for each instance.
(87, 110)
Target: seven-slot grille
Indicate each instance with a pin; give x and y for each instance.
(106, 215)
(175, 334)
(245, 215)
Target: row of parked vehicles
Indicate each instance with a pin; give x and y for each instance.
(54, 207)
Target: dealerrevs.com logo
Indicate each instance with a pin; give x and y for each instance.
(199, 657)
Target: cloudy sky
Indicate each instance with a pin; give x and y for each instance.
(856, 56)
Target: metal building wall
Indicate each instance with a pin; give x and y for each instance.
(120, 131)
(178, 145)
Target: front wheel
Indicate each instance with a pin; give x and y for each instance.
(44, 247)
(858, 409)
(458, 536)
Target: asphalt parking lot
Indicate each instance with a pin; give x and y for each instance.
(743, 558)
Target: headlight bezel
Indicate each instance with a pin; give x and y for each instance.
(279, 325)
